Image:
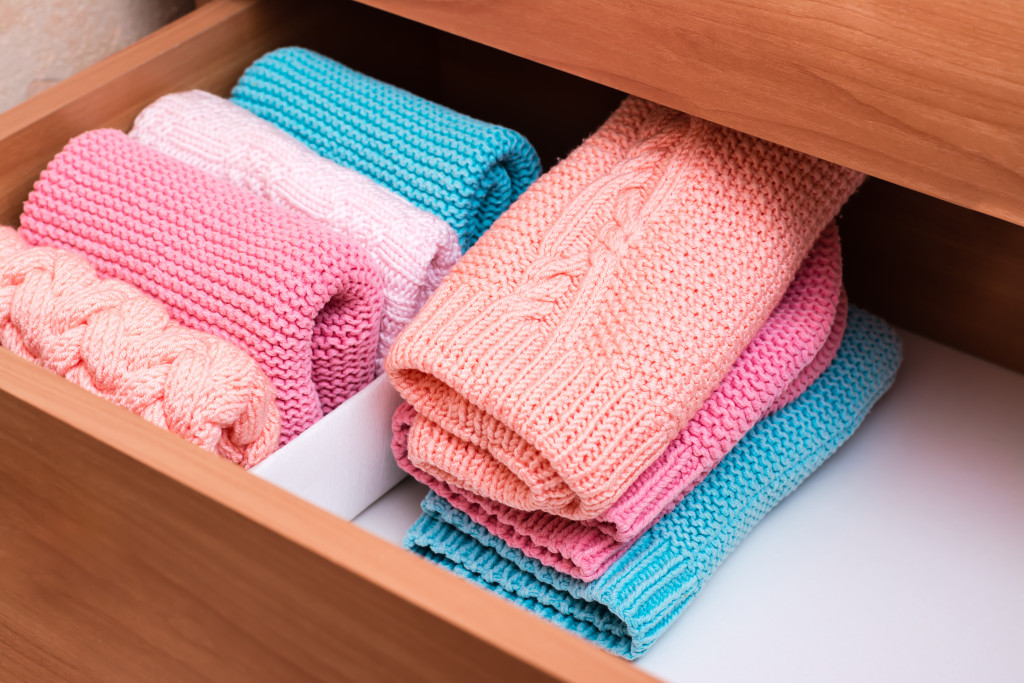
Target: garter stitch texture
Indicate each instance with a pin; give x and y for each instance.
(108, 337)
(801, 335)
(572, 344)
(301, 300)
(459, 168)
(647, 588)
(412, 249)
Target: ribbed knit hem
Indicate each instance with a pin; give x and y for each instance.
(572, 329)
(412, 249)
(459, 168)
(645, 590)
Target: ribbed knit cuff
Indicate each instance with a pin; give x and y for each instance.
(113, 340)
(459, 168)
(411, 248)
(300, 299)
(801, 335)
(589, 325)
(647, 588)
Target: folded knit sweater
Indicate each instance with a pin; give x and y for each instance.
(647, 588)
(302, 300)
(566, 351)
(459, 168)
(793, 348)
(411, 248)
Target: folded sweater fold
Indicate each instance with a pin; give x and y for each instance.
(795, 346)
(303, 301)
(566, 351)
(113, 340)
(643, 592)
(459, 168)
(411, 249)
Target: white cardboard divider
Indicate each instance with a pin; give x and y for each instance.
(343, 463)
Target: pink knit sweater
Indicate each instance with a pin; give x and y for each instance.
(412, 249)
(108, 337)
(793, 348)
(300, 299)
(568, 348)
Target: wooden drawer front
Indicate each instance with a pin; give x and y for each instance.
(128, 554)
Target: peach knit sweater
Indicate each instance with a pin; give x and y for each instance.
(111, 339)
(568, 348)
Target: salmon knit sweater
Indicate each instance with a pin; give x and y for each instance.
(301, 300)
(590, 323)
(411, 248)
(793, 348)
(111, 339)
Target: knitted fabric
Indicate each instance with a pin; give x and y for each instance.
(795, 338)
(108, 337)
(459, 168)
(571, 345)
(412, 249)
(646, 589)
(300, 299)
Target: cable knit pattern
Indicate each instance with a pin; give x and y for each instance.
(108, 337)
(585, 329)
(412, 249)
(459, 168)
(301, 300)
(647, 588)
(802, 334)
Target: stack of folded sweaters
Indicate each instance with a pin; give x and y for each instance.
(640, 358)
(234, 270)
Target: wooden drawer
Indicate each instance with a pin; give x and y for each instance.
(128, 554)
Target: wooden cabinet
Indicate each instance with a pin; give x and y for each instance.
(128, 554)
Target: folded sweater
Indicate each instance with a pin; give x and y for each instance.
(411, 248)
(645, 590)
(459, 168)
(113, 340)
(795, 346)
(302, 300)
(585, 329)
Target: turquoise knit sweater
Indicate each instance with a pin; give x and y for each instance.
(627, 608)
(464, 170)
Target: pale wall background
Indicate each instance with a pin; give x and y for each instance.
(45, 41)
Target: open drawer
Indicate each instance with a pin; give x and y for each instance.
(128, 554)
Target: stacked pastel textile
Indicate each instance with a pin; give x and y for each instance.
(411, 248)
(302, 300)
(113, 340)
(662, 294)
(461, 169)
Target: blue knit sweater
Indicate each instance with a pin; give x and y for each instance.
(627, 608)
(464, 170)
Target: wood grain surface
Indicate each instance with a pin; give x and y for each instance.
(127, 554)
(928, 94)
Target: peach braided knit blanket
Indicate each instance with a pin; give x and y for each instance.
(796, 345)
(110, 338)
(302, 300)
(411, 248)
(571, 345)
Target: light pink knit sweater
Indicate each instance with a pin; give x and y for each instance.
(412, 249)
(300, 299)
(568, 348)
(113, 340)
(793, 348)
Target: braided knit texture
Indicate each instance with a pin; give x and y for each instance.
(646, 589)
(802, 334)
(459, 168)
(108, 337)
(572, 344)
(302, 300)
(411, 249)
